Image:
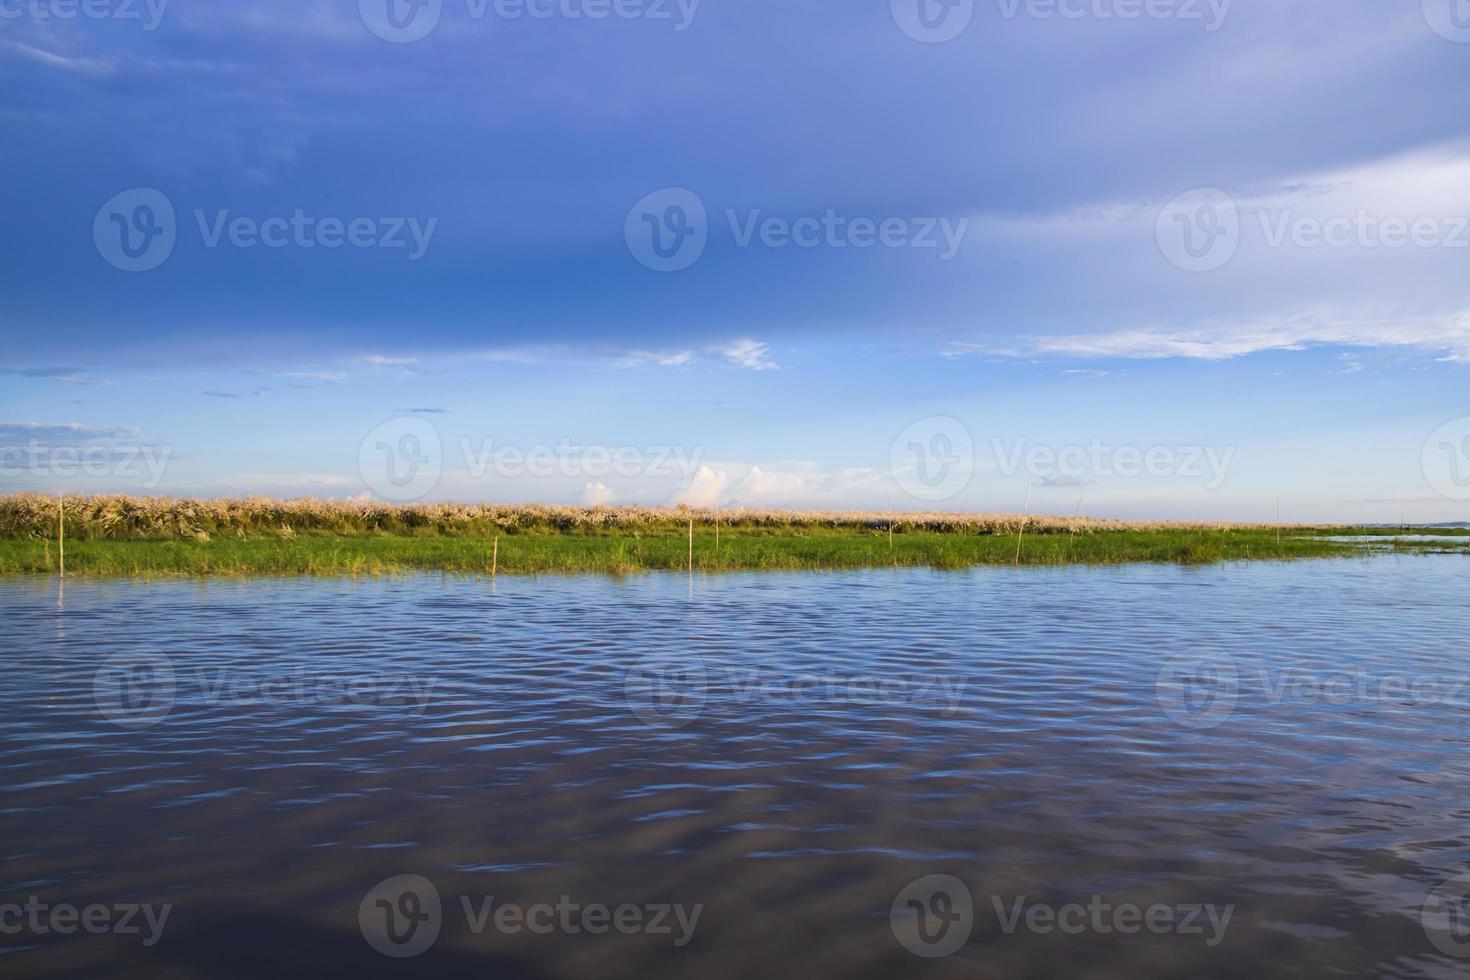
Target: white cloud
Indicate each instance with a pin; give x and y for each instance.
(639, 358)
(284, 482)
(596, 494)
(1222, 340)
(90, 66)
(279, 20)
(1370, 255)
(64, 375)
(326, 377)
(747, 354)
(406, 367)
(780, 485)
(62, 433)
(705, 490)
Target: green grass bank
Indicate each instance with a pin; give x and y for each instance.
(119, 535)
(612, 553)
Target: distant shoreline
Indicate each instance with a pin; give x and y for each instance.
(116, 536)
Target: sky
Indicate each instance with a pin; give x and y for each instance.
(1143, 258)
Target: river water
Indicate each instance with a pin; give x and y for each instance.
(1247, 770)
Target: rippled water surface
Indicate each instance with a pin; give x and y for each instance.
(785, 753)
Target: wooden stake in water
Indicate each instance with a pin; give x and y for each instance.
(61, 536)
(495, 557)
(691, 546)
(1021, 534)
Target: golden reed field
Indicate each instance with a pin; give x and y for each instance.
(121, 516)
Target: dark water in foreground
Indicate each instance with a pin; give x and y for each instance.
(1145, 771)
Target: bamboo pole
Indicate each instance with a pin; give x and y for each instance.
(495, 557)
(890, 518)
(61, 536)
(691, 546)
(717, 518)
(1021, 534)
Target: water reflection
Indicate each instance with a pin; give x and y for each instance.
(788, 752)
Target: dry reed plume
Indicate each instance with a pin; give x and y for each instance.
(120, 516)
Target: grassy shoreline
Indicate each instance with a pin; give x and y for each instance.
(120, 536)
(520, 554)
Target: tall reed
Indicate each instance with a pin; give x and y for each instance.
(124, 517)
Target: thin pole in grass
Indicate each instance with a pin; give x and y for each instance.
(691, 547)
(495, 557)
(1072, 545)
(717, 518)
(890, 517)
(1021, 534)
(61, 536)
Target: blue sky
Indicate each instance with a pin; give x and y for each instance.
(789, 247)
